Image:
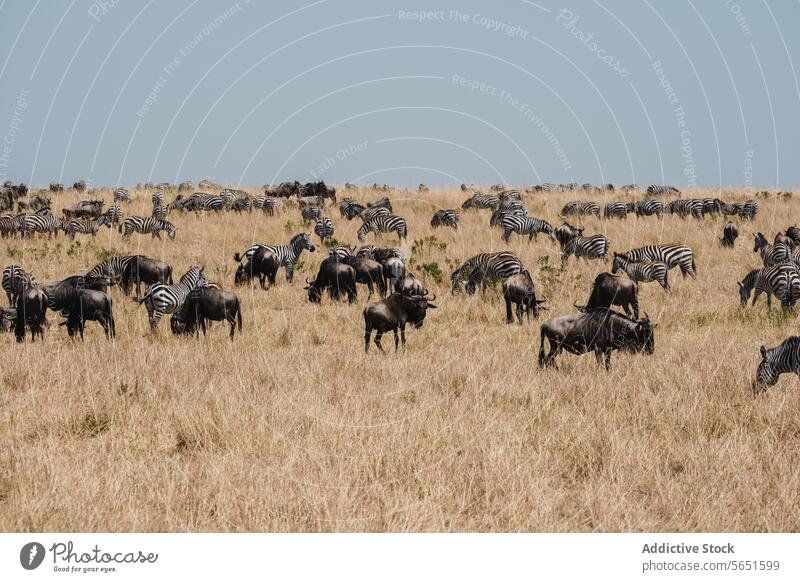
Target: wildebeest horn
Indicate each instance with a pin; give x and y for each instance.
(432, 298)
(307, 281)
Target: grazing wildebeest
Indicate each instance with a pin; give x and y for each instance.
(7, 316)
(518, 289)
(598, 330)
(263, 264)
(206, 303)
(368, 272)
(394, 313)
(783, 359)
(729, 234)
(337, 278)
(31, 310)
(142, 269)
(608, 290)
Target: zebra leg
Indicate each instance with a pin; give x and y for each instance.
(289, 273)
(154, 319)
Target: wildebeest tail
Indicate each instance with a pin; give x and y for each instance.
(237, 257)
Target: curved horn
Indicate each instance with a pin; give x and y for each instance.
(432, 299)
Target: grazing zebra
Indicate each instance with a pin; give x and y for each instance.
(713, 206)
(479, 200)
(157, 198)
(15, 279)
(160, 212)
(655, 190)
(113, 215)
(43, 223)
(340, 252)
(271, 204)
(445, 218)
(507, 195)
(671, 255)
(579, 208)
(515, 206)
(79, 226)
(371, 212)
(483, 268)
(211, 203)
(144, 225)
(782, 281)
(616, 210)
(494, 220)
(783, 359)
(311, 213)
(643, 272)
(323, 228)
(525, 225)
(685, 207)
(771, 254)
(349, 209)
(112, 268)
(384, 223)
(589, 247)
(287, 254)
(121, 195)
(160, 298)
(748, 210)
(648, 208)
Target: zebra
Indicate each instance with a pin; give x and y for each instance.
(371, 212)
(586, 247)
(384, 223)
(340, 252)
(685, 207)
(323, 228)
(212, 203)
(782, 281)
(525, 225)
(713, 206)
(507, 195)
(311, 213)
(121, 195)
(782, 359)
(113, 215)
(479, 201)
(157, 198)
(79, 226)
(494, 220)
(515, 206)
(485, 267)
(111, 268)
(160, 298)
(144, 225)
(771, 254)
(644, 272)
(748, 210)
(671, 255)
(349, 209)
(656, 190)
(445, 218)
(10, 224)
(616, 210)
(15, 279)
(287, 254)
(579, 208)
(271, 204)
(43, 223)
(160, 212)
(648, 208)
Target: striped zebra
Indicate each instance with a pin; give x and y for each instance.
(771, 254)
(272, 204)
(748, 210)
(483, 268)
(615, 210)
(10, 224)
(157, 198)
(111, 268)
(515, 206)
(525, 225)
(643, 272)
(384, 223)
(349, 209)
(671, 255)
(369, 213)
(782, 281)
(41, 223)
(323, 228)
(481, 201)
(340, 252)
(15, 279)
(311, 213)
(160, 212)
(507, 195)
(586, 247)
(713, 206)
(445, 218)
(649, 208)
(686, 207)
(656, 190)
(160, 298)
(113, 215)
(782, 359)
(143, 225)
(80, 226)
(580, 208)
(211, 204)
(287, 254)
(122, 195)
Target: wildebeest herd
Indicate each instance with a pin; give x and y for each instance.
(193, 301)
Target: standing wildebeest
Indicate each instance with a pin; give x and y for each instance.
(206, 303)
(31, 310)
(394, 269)
(410, 285)
(608, 290)
(783, 359)
(337, 278)
(518, 289)
(263, 263)
(368, 272)
(598, 330)
(81, 299)
(142, 269)
(729, 234)
(394, 313)
(33, 203)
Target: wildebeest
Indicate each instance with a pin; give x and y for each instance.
(84, 209)
(381, 203)
(56, 187)
(90, 305)
(597, 330)
(519, 290)
(608, 290)
(394, 313)
(31, 310)
(566, 232)
(33, 203)
(263, 264)
(143, 269)
(394, 269)
(368, 272)
(781, 238)
(410, 285)
(729, 234)
(338, 278)
(207, 303)
(7, 317)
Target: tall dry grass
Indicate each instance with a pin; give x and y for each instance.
(291, 427)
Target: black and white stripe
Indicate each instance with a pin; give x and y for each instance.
(122, 195)
(586, 247)
(157, 198)
(113, 215)
(649, 208)
(15, 279)
(615, 210)
(483, 268)
(271, 204)
(311, 213)
(113, 268)
(748, 210)
(782, 281)
(510, 195)
(643, 272)
(783, 359)
(656, 190)
(340, 252)
(349, 209)
(80, 226)
(41, 223)
(525, 225)
(580, 208)
(10, 224)
(445, 218)
(672, 255)
(160, 212)
(686, 207)
(160, 298)
(479, 201)
(771, 254)
(149, 225)
(384, 223)
(287, 254)
(323, 228)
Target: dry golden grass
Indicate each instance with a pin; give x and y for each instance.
(292, 427)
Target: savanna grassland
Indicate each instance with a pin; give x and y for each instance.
(291, 427)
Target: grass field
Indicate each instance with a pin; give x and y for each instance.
(291, 427)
